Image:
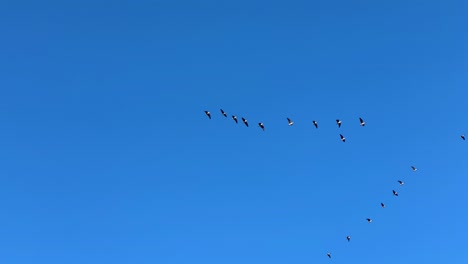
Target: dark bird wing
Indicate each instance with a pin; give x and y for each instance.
(208, 114)
(223, 113)
(234, 118)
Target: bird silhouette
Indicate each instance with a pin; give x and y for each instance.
(462, 137)
(338, 122)
(369, 220)
(329, 255)
(223, 113)
(401, 183)
(208, 114)
(414, 168)
(395, 193)
(234, 118)
(343, 138)
(261, 126)
(315, 123)
(245, 121)
(290, 123)
(382, 204)
(348, 238)
(362, 122)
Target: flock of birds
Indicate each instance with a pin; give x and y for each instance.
(343, 139)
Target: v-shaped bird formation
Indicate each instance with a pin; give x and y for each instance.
(342, 138)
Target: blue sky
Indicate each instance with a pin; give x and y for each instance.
(107, 157)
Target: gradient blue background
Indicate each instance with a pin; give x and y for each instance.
(106, 155)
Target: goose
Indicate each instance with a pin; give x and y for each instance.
(369, 220)
(382, 204)
(223, 113)
(338, 122)
(245, 121)
(234, 118)
(290, 123)
(462, 137)
(343, 138)
(315, 123)
(348, 238)
(395, 193)
(208, 114)
(329, 255)
(401, 183)
(414, 168)
(362, 122)
(261, 126)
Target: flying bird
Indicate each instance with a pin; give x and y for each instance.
(401, 183)
(414, 168)
(208, 114)
(245, 121)
(329, 255)
(395, 193)
(369, 220)
(315, 123)
(382, 204)
(290, 122)
(234, 118)
(338, 122)
(343, 138)
(348, 238)
(261, 126)
(462, 137)
(362, 122)
(223, 113)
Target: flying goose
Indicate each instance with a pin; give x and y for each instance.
(343, 138)
(245, 121)
(290, 122)
(362, 122)
(382, 204)
(348, 238)
(395, 193)
(329, 255)
(208, 114)
(401, 183)
(223, 113)
(234, 118)
(338, 122)
(462, 137)
(414, 168)
(369, 220)
(315, 123)
(261, 126)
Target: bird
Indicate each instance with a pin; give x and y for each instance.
(329, 255)
(208, 114)
(290, 122)
(462, 137)
(223, 113)
(245, 121)
(234, 118)
(348, 238)
(401, 183)
(414, 168)
(261, 126)
(369, 220)
(362, 122)
(382, 204)
(343, 138)
(395, 193)
(315, 123)
(338, 122)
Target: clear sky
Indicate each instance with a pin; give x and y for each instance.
(106, 155)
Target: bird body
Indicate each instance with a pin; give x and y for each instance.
(223, 113)
(382, 204)
(369, 220)
(362, 122)
(395, 193)
(315, 123)
(348, 238)
(329, 255)
(207, 113)
(462, 137)
(234, 118)
(343, 138)
(338, 122)
(261, 126)
(414, 168)
(245, 122)
(401, 183)
(290, 123)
